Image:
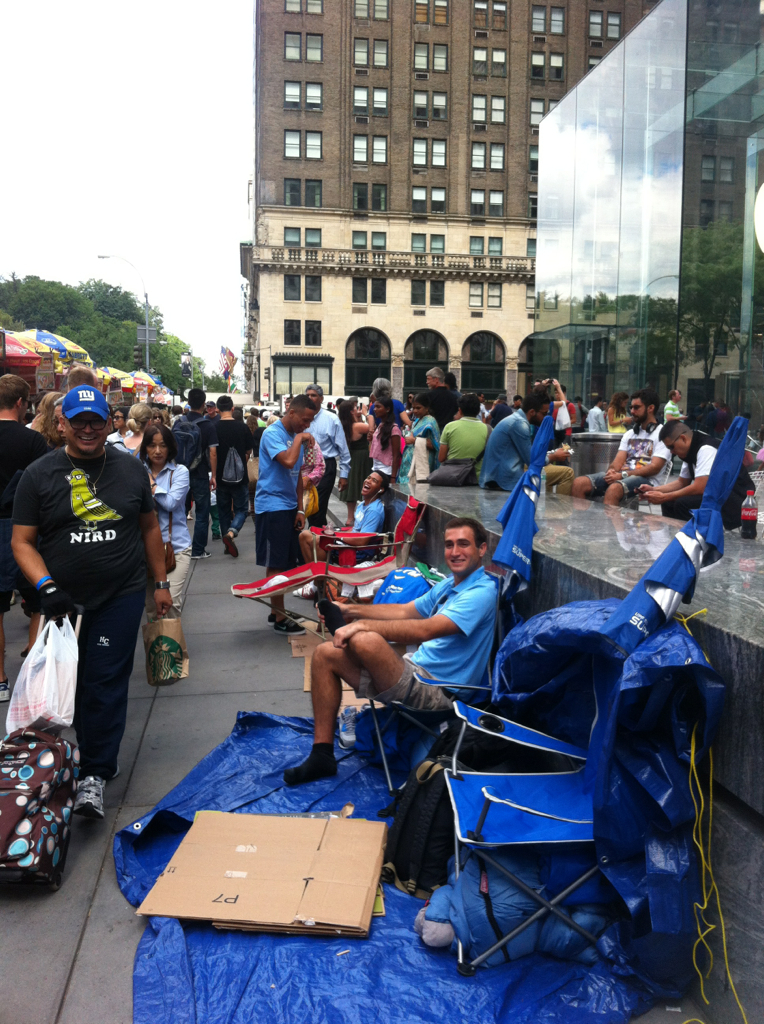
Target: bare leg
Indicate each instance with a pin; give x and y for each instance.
(582, 487)
(614, 494)
(277, 603)
(351, 512)
(309, 553)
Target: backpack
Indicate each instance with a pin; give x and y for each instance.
(188, 438)
(38, 783)
(233, 470)
(402, 586)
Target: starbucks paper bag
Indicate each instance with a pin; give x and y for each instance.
(166, 652)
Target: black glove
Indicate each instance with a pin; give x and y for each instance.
(55, 602)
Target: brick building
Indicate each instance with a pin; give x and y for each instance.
(394, 192)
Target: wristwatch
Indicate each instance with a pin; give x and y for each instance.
(624, 474)
(165, 585)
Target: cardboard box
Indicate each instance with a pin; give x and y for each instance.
(272, 873)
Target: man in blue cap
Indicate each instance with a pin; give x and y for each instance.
(84, 531)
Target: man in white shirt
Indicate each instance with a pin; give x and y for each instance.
(595, 421)
(641, 457)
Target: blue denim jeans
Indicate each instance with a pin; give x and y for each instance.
(200, 488)
(236, 496)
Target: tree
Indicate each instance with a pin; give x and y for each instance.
(44, 305)
(112, 302)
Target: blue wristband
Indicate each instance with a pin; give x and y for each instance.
(44, 580)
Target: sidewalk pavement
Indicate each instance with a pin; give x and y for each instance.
(68, 956)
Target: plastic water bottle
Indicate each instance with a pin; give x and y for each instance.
(749, 514)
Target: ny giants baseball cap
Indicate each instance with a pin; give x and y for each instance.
(85, 399)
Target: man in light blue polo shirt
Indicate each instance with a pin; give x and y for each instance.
(453, 625)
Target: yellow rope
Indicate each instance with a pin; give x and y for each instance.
(684, 619)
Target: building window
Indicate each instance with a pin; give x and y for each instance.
(314, 96)
(419, 243)
(538, 19)
(556, 69)
(537, 111)
(291, 332)
(438, 152)
(380, 53)
(533, 205)
(292, 46)
(476, 294)
(499, 15)
(478, 109)
(421, 104)
(595, 24)
(478, 156)
(313, 193)
(725, 213)
(440, 57)
(706, 212)
(497, 156)
(499, 63)
(381, 10)
(292, 236)
(557, 21)
(498, 109)
(379, 241)
(533, 160)
(613, 26)
(530, 247)
(361, 53)
(495, 246)
(480, 8)
(477, 202)
(494, 296)
(537, 65)
(312, 238)
(379, 197)
(421, 56)
(292, 188)
(479, 60)
(495, 204)
(419, 200)
(359, 239)
(422, 12)
(477, 244)
(314, 48)
(312, 288)
(437, 200)
(708, 168)
(418, 293)
(315, 7)
(292, 291)
(379, 149)
(378, 291)
(313, 333)
(593, 62)
(360, 149)
(530, 296)
(292, 145)
(313, 146)
(437, 293)
(727, 169)
(420, 152)
(360, 290)
(291, 95)
(293, 6)
(360, 196)
(379, 108)
(440, 12)
(437, 243)
(439, 106)
(361, 8)
(360, 100)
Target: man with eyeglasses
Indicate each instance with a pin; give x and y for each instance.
(84, 532)
(641, 457)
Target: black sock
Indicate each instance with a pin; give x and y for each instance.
(319, 765)
(333, 617)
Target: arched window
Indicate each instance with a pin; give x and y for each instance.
(422, 351)
(483, 364)
(367, 356)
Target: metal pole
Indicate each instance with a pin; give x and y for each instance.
(146, 299)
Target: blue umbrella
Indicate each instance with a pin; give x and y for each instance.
(518, 517)
(673, 575)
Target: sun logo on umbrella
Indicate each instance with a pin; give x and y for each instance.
(85, 505)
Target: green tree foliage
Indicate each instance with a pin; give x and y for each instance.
(44, 305)
(112, 302)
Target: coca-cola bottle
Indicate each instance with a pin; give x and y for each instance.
(749, 514)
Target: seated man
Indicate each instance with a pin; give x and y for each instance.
(453, 624)
(369, 517)
(641, 457)
(508, 451)
(679, 497)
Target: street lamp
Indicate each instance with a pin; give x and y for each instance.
(145, 299)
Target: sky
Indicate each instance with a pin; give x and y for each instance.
(127, 129)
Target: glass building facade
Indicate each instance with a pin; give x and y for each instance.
(648, 266)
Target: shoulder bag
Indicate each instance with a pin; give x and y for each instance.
(169, 550)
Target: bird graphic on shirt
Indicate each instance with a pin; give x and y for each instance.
(85, 505)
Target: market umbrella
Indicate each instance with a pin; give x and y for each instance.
(141, 377)
(124, 378)
(19, 354)
(47, 340)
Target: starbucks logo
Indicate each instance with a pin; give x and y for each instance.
(165, 657)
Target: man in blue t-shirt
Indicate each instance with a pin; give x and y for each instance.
(369, 517)
(278, 499)
(453, 625)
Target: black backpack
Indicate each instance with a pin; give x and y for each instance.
(188, 438)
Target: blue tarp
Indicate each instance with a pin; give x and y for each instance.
(193, 974)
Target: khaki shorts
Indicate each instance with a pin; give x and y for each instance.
(408, 690)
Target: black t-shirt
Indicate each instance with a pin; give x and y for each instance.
(88, 522)
(443, 405)
(257, 434)
(19, 447)
(232, 434)
(500, 412)
(209, 439)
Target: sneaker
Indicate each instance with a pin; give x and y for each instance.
(272, 618)
(230, 544)
(5, 690)
(89, 802)
(289, 627)
(204, 554)
(348, 718)
(307, 592)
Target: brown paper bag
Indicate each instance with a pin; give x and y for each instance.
(253, 472)
(166, 652)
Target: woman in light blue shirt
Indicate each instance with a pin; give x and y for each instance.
(169, 486)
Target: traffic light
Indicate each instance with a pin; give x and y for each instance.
(267, 373)
(137, 356)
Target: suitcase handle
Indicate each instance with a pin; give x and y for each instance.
(78, 622)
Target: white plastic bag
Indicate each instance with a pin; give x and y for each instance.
(43, 697)
(563, 418)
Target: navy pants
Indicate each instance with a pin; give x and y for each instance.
(200, 488)
(236, 496)
(106, 648)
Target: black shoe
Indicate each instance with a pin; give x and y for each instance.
(289, 627)
(230, 545)
(272, 618)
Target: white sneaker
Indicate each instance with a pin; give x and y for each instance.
(5, 690)
(89, 801)
(348, 718)
(307, 592)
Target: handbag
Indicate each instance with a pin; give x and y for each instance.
(169, 550)
(455, 473)
(253, 472)
(310, 501)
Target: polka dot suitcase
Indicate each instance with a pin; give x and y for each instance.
(38, 780)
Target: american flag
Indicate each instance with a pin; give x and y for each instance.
(227, 362)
